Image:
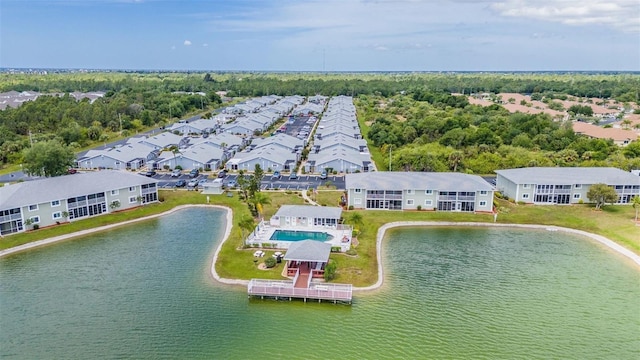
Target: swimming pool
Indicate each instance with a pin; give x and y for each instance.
(292, 235)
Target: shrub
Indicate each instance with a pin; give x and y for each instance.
(350, 207)
(270, 262)
(330, 271)
(166, 167)
(419, 207)
(266, 245)
(336, 249)
(36, 226)
(178, 167)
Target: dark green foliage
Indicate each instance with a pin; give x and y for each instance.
(48, 158)
(581, 110)
(270, 262)
(330, 271)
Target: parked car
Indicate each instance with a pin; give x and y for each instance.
(276, 175)
(201, 182)
(181, 183)
(231, 184)
(150, 173)
(194, 173)
(72, 171)
(176, 173)
(293, 176)
(192, 183)
(323, 175)
(222, 174)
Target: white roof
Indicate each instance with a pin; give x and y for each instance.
(569, 176)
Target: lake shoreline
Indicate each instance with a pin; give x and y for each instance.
(617, 248)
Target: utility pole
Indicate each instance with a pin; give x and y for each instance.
(389, 157)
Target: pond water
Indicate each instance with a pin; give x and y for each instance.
(143, 291)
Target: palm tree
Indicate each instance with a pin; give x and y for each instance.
(355, 219)
(258, 200)
(455, 158)
(635, 202)
(247, 224)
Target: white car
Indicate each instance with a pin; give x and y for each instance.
(176, 173)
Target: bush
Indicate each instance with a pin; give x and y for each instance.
(330, 271)
(350, 207)
(270, 262)
(36, 226)
(419, 207)
(178, 167)
(336, 249)
(166, 167)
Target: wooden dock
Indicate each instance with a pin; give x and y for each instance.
(285, 289)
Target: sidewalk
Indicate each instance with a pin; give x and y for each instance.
(308, 199)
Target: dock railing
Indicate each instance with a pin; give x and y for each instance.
(285, 289)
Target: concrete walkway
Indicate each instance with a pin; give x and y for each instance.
(308, 199)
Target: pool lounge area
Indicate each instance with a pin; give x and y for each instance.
(270, 236)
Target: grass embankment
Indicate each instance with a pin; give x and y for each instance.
(614, 222)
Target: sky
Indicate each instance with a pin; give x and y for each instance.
(322, 35)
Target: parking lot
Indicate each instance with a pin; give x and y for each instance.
(303, 182)
(300, 126)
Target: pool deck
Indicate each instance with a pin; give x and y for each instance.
(263, 232)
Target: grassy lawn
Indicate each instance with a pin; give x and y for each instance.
(614, 222)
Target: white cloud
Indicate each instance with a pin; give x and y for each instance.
(620, 14)
(187, 43)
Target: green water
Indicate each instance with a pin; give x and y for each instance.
(143, 292)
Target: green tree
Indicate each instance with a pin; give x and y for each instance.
(246, 224)
(602, 194)
(48, 158)
(635, 202)
(330, 271)
(258, 200)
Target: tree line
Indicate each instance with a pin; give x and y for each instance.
(435, 133)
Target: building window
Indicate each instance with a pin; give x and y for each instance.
(409, 192)
(578, 186)
(483, 203)
(132, 199)
(33, 207)
(132, 188)
(357, 201)
(576, 196)
(35, 219)
(56, 215)
(115, 192)
(357, 191)
(409, 201)
(526, 186)
(428, 192)
(428, 202)
(55, 203)
(525, 196)
(483, 192)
